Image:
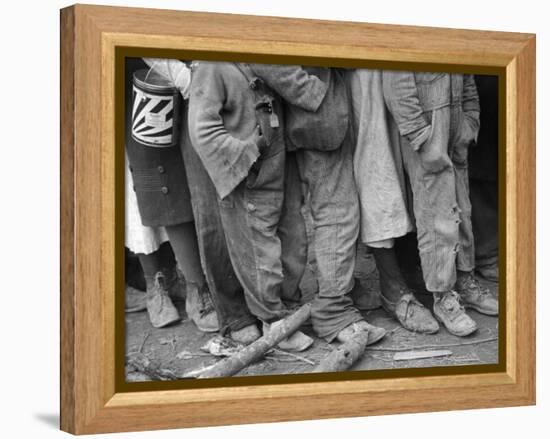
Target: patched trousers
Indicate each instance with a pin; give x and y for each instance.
(441, 201)
(335, 210)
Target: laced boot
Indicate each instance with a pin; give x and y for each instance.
(449, 311)
(474, 295)
(200, 308)
(162, 311)
(375, 333)
(397, 299)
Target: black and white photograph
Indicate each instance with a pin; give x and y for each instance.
(287, 219)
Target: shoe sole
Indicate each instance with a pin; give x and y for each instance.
(480, 310)
(167, 323)
(377, 339)
(453, 332)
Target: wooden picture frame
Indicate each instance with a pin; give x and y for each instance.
(91, 401)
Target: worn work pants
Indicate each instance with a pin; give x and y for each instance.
(250, 216)
(335, 210)
(227, 293)
(441, 201)
(292, 233)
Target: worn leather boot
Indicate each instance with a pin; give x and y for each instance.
(162, 311)
(449, 311)
(412, 315)
(375, 333)
(397, 299)
(200, 309)
(296, 342)
(474, 295)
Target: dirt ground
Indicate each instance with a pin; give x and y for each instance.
(176, 349)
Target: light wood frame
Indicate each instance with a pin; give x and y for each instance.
(89, 37)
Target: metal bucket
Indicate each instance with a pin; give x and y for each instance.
(155, 110)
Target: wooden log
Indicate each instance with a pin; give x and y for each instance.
(343, 357)
(256, 350)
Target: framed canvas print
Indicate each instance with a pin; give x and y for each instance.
(269, 219)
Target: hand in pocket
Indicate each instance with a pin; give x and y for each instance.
(464, 139)
(433, 153)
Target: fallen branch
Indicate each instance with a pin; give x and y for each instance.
(151, 368)
(343, 357)
(433, 346)
(238, 361)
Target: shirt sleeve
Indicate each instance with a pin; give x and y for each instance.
(293, 84)
(401, 96)
(226, 158)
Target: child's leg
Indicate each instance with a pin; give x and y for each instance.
(160, 308)
(183, 238)
(198, 303)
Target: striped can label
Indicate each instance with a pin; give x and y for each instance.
(153, 118)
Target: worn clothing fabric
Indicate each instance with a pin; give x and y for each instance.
(138, 238)
(328, 176)
(292, 233)
(442, 110)
(335, 211)
(378, 165)
(227, 292)
(250, 185)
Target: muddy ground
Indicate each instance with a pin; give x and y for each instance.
(176, 349)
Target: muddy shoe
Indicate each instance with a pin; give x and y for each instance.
(474, 295)
(200, 309)
(162, 311)
(375, 333)
(135, 300)
(296, 342)
(246, 335)
(449, 311)
(412, 315)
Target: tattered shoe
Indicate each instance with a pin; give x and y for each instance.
(296, 342)
(412, 315)
(200, 309)
(474, 295)
(375, 333)
(449, 311)
(246, 335)
(162, 311)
